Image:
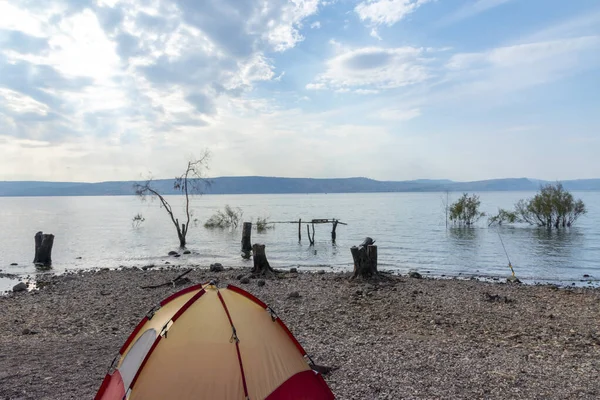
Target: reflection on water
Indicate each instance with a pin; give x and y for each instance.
(464, 236)
(409, 230)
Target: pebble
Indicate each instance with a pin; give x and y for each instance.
(13, 264)
(245, 280)
(293, 295)
(187, 252)
(294, 270)
(261, 282)
(415, 274)
(172, 253)
(19, 287)
(216, 267)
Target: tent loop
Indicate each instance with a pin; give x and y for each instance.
(165, 329)
(153, 311)
(272, 313)
(234, 337)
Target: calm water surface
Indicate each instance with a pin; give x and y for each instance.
(409, 229)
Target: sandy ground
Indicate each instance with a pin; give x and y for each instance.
(407, 338)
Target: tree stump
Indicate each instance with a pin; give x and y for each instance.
(259, 258)
(246, 240)
(365, 259)
(43, 249)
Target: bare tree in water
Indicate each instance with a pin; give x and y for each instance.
(189, 183)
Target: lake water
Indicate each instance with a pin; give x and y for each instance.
(409, 229)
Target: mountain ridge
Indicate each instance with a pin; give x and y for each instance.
(279, 185)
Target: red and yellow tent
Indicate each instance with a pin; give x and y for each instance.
(206, 342)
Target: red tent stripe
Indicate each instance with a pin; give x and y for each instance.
(237, 345)
(135, 332)
(175, 317)
(246, 294)
(103, 386)
(187, 305)
(137, 374)
(285, 328)
(180, 293)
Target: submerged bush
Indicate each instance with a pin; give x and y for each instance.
(503, 216)
(465, 211)
(262, 225)
(229, 218)
(137, 220)
(552, 207)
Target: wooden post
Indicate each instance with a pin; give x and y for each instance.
(43, 249)
(300, 230)
(246, 240)
(310, 239)
(334, 227)
(259, 258)
(365, 259)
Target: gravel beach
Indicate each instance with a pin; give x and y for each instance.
(403, 338)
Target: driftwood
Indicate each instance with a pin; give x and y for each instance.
(365, 259)
(246, 240)
(43, 249)
(178, 280)
(259, 258)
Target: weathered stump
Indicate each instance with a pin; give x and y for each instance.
(43, 249)
(246, 240)
(365, 259)
(259, 258)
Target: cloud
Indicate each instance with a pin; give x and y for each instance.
(20, 103)
(472, 9)
(395, 114)
(532, 63)
(375, 34)
(110, 67)
(315, 25)
(386, 12)
(372, 68)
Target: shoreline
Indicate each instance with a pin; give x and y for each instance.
(11, 279)
(402, 338)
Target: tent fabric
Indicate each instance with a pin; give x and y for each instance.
(206, 342)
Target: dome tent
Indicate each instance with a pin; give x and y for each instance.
(205, 342)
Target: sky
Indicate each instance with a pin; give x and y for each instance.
(97, 90)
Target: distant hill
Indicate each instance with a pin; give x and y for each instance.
(273, 185)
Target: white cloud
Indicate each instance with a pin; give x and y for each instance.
(375, 34)
(550, 55)
(394, 114)
(374, 68)
(472, 9)
(386, 12)
(284, 33)
(366, 91)
(20, 103)
(315, 86)
(315, 25)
